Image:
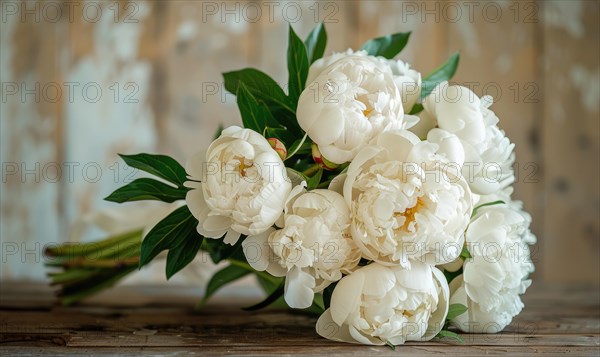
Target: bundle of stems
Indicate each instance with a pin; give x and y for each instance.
(84, 269)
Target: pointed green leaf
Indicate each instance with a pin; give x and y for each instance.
(280, 134)
(315, 43)
(451, 335)
(386, 46)
(147, 189)
(296, 177)
(314, 181)
(299, 147)
(221, 278)
(220, 251)
(180, 256)
(416, 109)
(255, 116)
(297, 62)
(161, 166)
(443, 73)
(172, 231)
(455, 310)
(266, 91)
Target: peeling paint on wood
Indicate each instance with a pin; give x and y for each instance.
(160, 77)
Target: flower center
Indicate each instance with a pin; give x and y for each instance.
(244, 166)
(409, 214)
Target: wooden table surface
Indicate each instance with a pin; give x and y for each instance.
(133, 321)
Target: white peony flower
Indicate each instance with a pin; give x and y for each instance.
(313, 249)
(349, 99)
(489, 154)
(376, 305)
(407, 80)
(406, 202)
(238, 187)
(496, 275)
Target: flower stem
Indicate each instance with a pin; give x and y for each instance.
(247, 266)
(324, 184)
(311, 170)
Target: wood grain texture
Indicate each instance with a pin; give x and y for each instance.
(170, 326)
(543, 57)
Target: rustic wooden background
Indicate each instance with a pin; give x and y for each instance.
(82, 81)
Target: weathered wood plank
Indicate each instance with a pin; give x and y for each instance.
(334, 351)
(556, 320)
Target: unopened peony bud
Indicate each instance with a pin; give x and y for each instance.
(321, 160)
(278, 146)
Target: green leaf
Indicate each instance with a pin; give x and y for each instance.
(147, 189)
(297, 62)
(386, 46)
(275, 295)
(169, 233)
(451, 335)
(300, 147)
(183, 254)
(255, 116)
(314, 181)
(455, 310)
(161, 166)
(451, 275)
(280, 134)
(265, 90)
(465, 254)
(439, 75)
(295, 176)
(221, 278)
(315, 43)
(391, 345)
(416, 109)
(327, 295)
(220, 251)
(476, 209)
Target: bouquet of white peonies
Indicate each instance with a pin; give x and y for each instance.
(366, 193)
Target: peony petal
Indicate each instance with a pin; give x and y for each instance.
(231, 237)
(328, 329)
(336, 154)
(299, 287)
(398, 143)
(418, 278)
(256, 250)
(365, 340)
(337, 184)
(197, 204)
(331, 121)
(438, 318)
(449, 145)
(216, 223)
(426, 122)
(346, 296)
